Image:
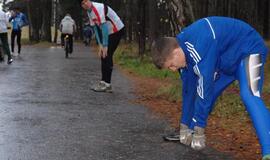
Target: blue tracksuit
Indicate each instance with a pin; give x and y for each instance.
(215, 50)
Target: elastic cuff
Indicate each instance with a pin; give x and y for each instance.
(185, 123)
(193, 124)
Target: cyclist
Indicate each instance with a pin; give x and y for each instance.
(67, 27)
(87, 33)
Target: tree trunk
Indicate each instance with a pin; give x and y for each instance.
(181, 10)
(29, 21)
(153, 20)
(35, 19)
(130, 21)
(141, 26)
(188, 12)
(266, 21)
(46, 20)
(56, 21)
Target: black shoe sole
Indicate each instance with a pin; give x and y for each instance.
(110, 91)
(9, 61)
(171, 138)
(106, 91)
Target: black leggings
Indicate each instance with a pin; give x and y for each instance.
(15, 33)
(107, 62)
(4, 39)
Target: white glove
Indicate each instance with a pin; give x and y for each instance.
(185, 135)
(198, 139)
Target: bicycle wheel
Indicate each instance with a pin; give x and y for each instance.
(66, 47)
(69, 45)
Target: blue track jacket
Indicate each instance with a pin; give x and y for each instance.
(213, 45)
(18, 21)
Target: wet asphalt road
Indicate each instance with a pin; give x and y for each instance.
(48, 112)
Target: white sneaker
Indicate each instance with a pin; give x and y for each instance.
(103, 87)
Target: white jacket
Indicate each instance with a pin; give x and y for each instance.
(67, 25)
(3, 22)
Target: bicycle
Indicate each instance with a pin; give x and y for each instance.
(67, 46)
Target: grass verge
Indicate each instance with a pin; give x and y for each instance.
(126, 58)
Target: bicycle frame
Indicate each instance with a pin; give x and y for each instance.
(67, 47)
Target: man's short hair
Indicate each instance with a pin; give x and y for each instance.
(80, 1)
(16, 8)
(161, 49)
